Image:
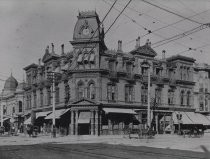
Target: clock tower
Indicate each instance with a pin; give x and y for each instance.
(88, 39)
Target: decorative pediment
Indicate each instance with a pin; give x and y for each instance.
(84, 101)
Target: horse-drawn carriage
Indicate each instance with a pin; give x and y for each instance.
(141, 133)
(2, 130)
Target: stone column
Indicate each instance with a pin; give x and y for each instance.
(110, 126)
(92, 122)
(164, 123)
(96, 123)
(100, 122)
(76, 122)
(156, 123)
(72, 122)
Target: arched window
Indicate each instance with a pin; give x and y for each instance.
(144, 94)
(201, 103)
(111, 92)
(20, 106)
(57, 94)
(41, 97)
(91, 91)
(170, 96)
(182, 98)
(67, 93)
(81, 90)
(188, 98)
(206, 103)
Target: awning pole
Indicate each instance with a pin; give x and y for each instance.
(1, 109)
(53, 92)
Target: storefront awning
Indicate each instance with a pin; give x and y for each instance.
(191, 118)
(185, 119)
(118, 110)
(6, 119)
(42, 114)
(27, 121)
(58, 113)
(84, 117)
(204, 120)
(167, 118)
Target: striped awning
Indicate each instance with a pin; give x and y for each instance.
(58, 114)
(42, 114)
(119, 110)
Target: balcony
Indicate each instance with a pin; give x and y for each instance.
(185, 82)
(130, 78)
(121, 72)
(113, 76)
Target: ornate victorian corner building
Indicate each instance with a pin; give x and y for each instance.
(103, 91)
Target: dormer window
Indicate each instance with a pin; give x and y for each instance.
(86, 57)
(92, 58)
(79, 59)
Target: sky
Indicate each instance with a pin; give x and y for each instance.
(28, 26)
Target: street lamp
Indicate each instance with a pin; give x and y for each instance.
(52, 76)
(146, 65)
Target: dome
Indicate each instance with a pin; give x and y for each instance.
(10, 84)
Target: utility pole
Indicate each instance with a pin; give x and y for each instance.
(53, 104)
(148, 104)
(1, 109)
(51, 77)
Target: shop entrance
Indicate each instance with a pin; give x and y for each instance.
(84, 129)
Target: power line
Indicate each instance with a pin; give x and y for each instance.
(134, 21)
(170, 11)
(194, 49)
(179, 36)
(118, 16)
(169, 25)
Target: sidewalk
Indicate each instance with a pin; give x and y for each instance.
(160, 141)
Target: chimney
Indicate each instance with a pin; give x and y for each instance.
(47, 50)
(52, 48)
(119, 45)
(163, 54)
(39, 61)
(147, 42)
(138, 42)
(62, 49)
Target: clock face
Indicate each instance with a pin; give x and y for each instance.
(86, 31)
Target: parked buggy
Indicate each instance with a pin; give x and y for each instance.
(2, 130)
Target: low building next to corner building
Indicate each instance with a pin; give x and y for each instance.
(104, 91)
(12, 97)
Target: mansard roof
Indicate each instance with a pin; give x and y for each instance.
(33, 65)
(180, 57)
(87, 14)
(144, 50)
(49, 56)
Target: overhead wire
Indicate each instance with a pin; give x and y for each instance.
(171, 12)
(117, 17)
(194, 49)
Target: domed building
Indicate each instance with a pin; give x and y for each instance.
(10, 86)
(12, 102)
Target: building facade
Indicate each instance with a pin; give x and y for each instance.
(12, 98)
(103, 91)
(202, 87)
